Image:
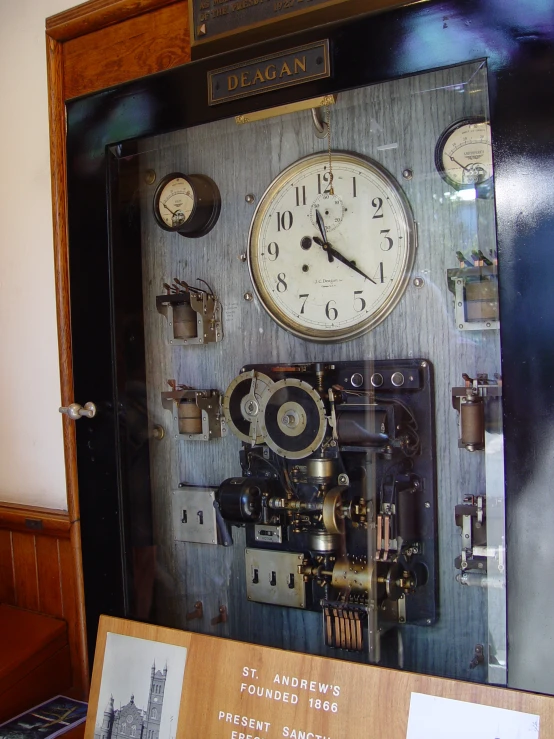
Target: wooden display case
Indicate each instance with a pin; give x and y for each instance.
(433, 74)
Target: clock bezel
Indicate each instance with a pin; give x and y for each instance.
(369, 322)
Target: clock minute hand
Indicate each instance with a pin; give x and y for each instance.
(321, 225)
(333, 253)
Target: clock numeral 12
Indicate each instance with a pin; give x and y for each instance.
(321, 179)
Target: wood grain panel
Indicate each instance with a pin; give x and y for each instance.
(73, 613)
(396, 124)
(89, 17)
(7, 583)
(142, 45)
(369, 701)
(73, 589)
(26, 571)
(49, 576)
(41, 572)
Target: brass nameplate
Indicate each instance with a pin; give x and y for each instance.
(292, 67)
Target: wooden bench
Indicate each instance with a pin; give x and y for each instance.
(34, 659)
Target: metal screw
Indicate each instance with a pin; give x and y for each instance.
(158, 432)
(427, 504)
(429, 622)
(343, 480)
(407, 174)
(248, 296)
(461, 325)
(419, 282)
(488, 325)
(243, 257)
(424, 364)
(150, 176)
(250, 198)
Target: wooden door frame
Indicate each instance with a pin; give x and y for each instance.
(78, 23)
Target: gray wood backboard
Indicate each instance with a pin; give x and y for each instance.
(397, 124)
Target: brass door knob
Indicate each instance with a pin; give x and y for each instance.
(76, 411)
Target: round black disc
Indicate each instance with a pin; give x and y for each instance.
(240, 391)
(306, 438)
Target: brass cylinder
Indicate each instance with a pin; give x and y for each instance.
(472, 423)
(352, 575)
(190, 418)
(320, 541)
(321, 470)
(184, 322)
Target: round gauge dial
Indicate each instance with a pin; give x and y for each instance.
(329, 266)
(187, 204)
(463, 155)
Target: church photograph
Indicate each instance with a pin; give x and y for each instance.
(140, 690)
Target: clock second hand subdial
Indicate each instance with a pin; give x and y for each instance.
(333, 253)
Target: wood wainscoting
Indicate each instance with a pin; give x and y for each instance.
(38, 572)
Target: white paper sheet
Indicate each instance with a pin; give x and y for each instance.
(442, 718)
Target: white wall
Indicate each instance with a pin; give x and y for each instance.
(31, 452)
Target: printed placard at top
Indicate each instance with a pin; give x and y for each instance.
(291, 67)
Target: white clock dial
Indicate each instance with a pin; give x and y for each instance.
(464, 153)
(349, 282)
(176, 201)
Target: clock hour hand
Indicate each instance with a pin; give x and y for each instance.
(334, 254)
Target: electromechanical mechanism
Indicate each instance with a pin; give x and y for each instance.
(337, 492)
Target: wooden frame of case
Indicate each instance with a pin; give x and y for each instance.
(90, 47)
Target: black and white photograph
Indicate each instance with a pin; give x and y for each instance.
(140, 689)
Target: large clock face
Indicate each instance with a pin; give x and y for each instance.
(329, 264)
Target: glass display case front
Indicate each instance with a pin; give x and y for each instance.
(313, 444)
